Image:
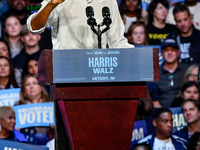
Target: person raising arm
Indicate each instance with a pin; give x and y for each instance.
(40, 19)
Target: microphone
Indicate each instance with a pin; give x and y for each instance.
(90, 14)
(106, 15)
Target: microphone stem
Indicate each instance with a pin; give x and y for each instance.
(99, 37)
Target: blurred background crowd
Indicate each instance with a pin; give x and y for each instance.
(171, 25)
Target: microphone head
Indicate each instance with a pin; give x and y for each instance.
(106, 15)
(89, 11)
(105, 12)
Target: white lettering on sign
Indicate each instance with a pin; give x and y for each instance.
(178, 120)
(102, 65)
(102, 61)
(9, 102)
(137, 134)
(38, 116)
(9, 148)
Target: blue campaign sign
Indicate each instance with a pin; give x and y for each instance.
(139, 131)
(9, 97)
(11, 145)
(29, 115)
(145, 4)
(178, 119)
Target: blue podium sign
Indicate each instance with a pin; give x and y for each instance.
(103, 65)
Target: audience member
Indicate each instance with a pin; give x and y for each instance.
(12, 28)
(141, 146)
(18, 8)
(137, 34)
(145, 107)
(194, 142)
(189, 90)
(194, 7)
(7, 125)
(7, 74)
(31, 92)
(186, 36)
(4, 49)
(31, 48)
(156, 27)
(191, 113)
(31, 66)
(170, 73)
(27, 96)
(163, 139)
(131, 11)
(191, 74)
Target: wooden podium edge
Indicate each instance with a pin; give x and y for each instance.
(156, 63)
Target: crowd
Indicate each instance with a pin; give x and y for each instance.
(175, 27)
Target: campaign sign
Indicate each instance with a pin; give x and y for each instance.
(145, 4)
(29, 115)
(11, 145)
(9, 97)
(139, 131)
(178, 120)
(103, 65)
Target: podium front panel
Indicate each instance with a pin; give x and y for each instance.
(103, 65)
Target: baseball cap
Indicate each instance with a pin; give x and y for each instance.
(169, 42)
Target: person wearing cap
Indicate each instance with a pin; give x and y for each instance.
(187, 36)
(170, 75)
(31, 48)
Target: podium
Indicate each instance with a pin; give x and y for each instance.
(96, 94)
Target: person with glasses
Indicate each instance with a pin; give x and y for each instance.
(191, 74)
(170, 74)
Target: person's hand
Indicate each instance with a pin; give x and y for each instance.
(17, 128)
(56, 2)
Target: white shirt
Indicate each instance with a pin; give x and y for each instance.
(51, 144)
(163, 144)
(128, 22)
(70, 30)
(194, 10)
